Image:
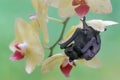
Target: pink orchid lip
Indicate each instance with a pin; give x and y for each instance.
(17, 56)
(66, 69)
(81, 7)
(82, 10)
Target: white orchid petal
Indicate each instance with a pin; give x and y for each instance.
(108, 23)
(94, 63)
(100, 6)
(12, 46)
(41, 8)
(100, 25)
(66, 9)
(52, 62)
(54, 3)
(29, 67)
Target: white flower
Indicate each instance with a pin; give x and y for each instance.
(39, 20)
(67, 8)
(26, 43)
(62, 61)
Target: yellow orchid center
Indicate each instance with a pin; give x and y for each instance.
(82, 2)
(22, 46)
(20, 51)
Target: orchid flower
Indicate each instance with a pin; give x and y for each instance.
(62, 61)
(39, 20)
(26, 44)
(68, 8)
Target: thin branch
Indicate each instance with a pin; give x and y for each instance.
(60, 38)
(55, 19)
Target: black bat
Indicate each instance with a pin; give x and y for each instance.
(86, 44)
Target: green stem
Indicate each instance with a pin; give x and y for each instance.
(59, 39)
(55, 19)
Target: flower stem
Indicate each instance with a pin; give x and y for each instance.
(56, 20)
(59, 39)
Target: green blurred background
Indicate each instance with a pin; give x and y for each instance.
(109, 53)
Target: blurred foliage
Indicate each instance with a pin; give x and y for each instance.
(109, 53)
